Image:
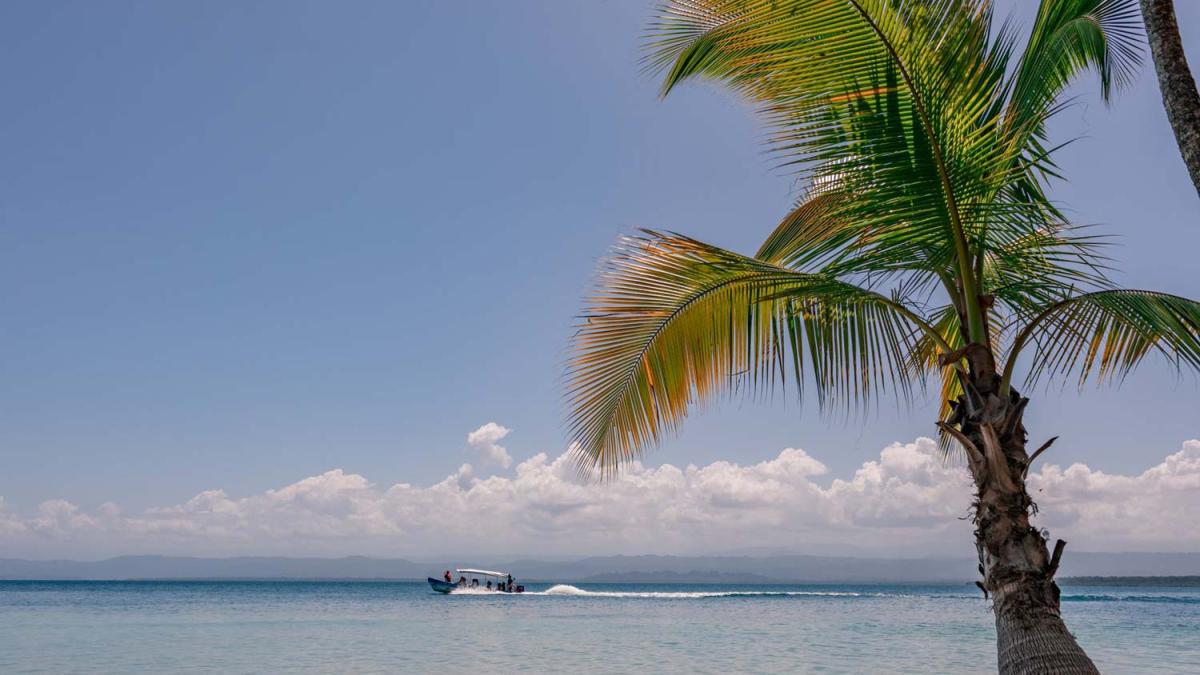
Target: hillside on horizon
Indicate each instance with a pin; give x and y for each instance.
(792, 568)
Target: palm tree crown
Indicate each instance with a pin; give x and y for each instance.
(926, 231)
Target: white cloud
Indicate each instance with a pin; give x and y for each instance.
(908, 500)
(1158, 509)
(486, 442)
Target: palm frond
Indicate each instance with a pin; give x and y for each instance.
(897, 103)
(1107, 333)
(1069, 37)
(946, 322)
(676, 321)
(1028, 273)
(922, 135)
(811, 233)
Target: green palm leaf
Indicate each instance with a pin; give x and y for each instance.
(1068, 37)
(811, 234)
(1107, 333)
(921, 132)
(897, 104)
(676, 321)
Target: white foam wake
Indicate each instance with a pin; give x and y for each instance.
(476, 590)
(574, 591)
(569, 590)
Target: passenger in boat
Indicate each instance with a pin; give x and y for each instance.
(474, 583)
(449, 579)
(462, 581)
(489, 585)
(509, 585)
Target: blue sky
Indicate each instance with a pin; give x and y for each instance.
(242, 244)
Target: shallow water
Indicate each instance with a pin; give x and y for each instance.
(375, 627)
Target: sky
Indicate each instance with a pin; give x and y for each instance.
(299, 278)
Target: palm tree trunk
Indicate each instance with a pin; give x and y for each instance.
(1175, 81)
(1018, 569)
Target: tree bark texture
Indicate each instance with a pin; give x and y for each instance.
(1175, 81)
(1017, 567)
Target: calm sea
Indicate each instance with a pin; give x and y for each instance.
(385, 627)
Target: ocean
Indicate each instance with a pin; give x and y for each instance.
(402, 627)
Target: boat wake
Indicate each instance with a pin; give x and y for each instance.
(567, 590)
(573, 591)
(479, 590)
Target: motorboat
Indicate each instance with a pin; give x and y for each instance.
(479, 580)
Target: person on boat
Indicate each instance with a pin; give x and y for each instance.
(462, 581)
(449, 579)
(489, 584)
(509, 585)
(474, 583)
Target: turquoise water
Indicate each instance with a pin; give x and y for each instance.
(377, 627)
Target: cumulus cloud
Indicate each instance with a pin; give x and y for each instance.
(1158, 509)
(907, 500)
(485, 441)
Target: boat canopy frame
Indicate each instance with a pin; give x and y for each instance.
(483, 573)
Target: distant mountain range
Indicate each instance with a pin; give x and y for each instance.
(646, 568)
(1177, 582)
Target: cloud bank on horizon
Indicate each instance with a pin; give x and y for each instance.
(908, 501)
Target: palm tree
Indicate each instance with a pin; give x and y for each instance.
(925, 247)
(1179, 94)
